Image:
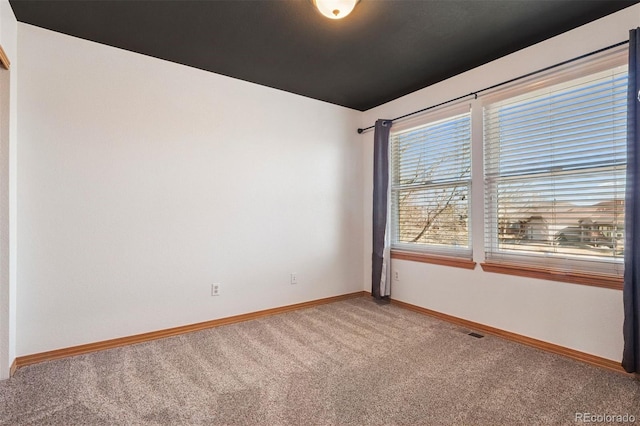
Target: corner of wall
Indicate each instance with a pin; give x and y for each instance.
(8, 282)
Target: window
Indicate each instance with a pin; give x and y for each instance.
(430, 185)
(555, 161)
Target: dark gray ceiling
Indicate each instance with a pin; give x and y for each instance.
(383, 50)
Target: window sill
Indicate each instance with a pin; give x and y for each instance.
(429, 258)
(595, 280)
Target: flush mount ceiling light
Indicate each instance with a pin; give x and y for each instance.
(335, 9)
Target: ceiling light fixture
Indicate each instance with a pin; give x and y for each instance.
(335, 9)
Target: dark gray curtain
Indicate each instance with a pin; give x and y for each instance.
(381, 271)
(631, 291)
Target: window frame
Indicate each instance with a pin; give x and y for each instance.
(561, 267)
(431, 253)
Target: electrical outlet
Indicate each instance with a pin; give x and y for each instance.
(294, 278)
(396, 275)
(215, 289)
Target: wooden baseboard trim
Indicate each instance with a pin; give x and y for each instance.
(4, 59)
(145, 337)
(13, 368)
(539, 344)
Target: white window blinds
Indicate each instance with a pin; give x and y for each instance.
(430, 186)
(555, 161)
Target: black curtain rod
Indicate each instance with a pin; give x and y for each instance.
(475, 94)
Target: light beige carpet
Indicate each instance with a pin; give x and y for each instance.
(348, 363)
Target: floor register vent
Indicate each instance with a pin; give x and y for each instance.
(476, 335)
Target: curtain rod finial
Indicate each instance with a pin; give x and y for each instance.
(360, 131)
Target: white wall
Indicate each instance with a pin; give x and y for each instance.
(8, 163)
(142, 182)
(584, 318)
